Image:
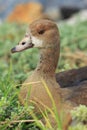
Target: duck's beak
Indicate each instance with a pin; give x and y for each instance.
(20, 48)
(23, 45)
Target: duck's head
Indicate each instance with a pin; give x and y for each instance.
(41, 34)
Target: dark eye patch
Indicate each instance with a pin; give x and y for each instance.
(23, 43)
(41, 31)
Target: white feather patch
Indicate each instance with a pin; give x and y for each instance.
(37, 42)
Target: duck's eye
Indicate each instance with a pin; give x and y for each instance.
(23, 43)
(41, 31)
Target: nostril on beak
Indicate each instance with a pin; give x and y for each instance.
(23, 43)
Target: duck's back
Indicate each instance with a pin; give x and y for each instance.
(79, 94)
(76, 81)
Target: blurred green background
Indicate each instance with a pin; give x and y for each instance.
(15, 68)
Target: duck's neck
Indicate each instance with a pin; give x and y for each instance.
(48, 61)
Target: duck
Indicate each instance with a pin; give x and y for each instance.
(68, 88)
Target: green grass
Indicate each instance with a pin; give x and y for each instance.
(14, 69)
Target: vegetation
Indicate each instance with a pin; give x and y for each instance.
(15, 68)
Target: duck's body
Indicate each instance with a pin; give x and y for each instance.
(76, 81)
(44, 35)
(75, 77)
(38, 92)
